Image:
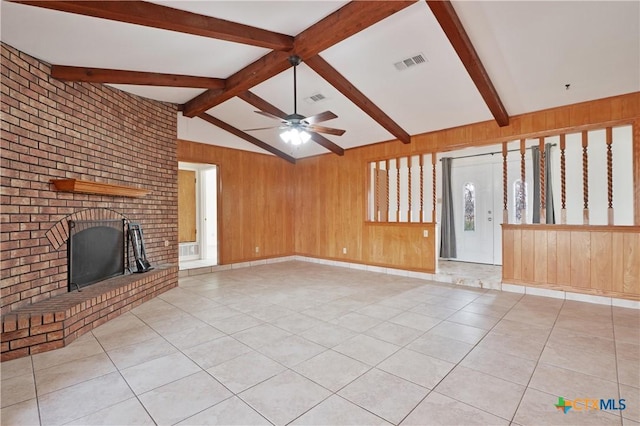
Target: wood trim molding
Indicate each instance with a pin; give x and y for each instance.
(97, 188)
(401, 224)
(588, 228)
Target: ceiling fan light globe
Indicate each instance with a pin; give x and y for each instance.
(286, 136)
(304, 136)
(295, 136)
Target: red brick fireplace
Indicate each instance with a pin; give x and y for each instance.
(93, 133)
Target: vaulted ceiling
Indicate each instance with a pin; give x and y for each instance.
(223, 60)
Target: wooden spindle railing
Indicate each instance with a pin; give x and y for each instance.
(433, 184)
(376, 191)
(388, 189)
(523, 179)
(505, 185)
(585, 177)
(563, 180)
(543, 188)
(609, 176)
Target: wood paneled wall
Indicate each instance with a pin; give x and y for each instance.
(318, 207)
(255, 201)
(601, 260)
(331, 193)
(331, 208)
(401, 245)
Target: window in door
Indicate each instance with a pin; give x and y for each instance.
(519, 199)
(469, 207)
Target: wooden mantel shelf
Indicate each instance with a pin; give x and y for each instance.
(99, 188)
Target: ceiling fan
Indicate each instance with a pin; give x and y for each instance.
(297, 127)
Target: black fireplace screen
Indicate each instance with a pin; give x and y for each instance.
(96, 251)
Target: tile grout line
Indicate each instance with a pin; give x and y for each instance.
(537, 362)
(35, 388)
(460, 361)
(615, 354)
(125, 380)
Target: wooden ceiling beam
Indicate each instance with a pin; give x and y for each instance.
(345, 22)
(261, 104)
(450, 22)
(253, 74)
(333, 77)
(247, 137)
(167, 18)
(101, 75)
(350, 19)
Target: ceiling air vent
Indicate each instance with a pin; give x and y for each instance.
(315, 98)
(411, 61)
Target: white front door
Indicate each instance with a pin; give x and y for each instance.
(473, 207)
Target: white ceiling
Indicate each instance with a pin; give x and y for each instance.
(530, 50)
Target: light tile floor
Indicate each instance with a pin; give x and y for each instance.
(303, 343)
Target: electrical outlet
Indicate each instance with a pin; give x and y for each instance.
(344, 250)
(257, 249)
(425, 233)
(166, 243)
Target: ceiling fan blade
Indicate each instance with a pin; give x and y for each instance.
(323, 116)
(268, 114)
(327, 130)
(261, 128)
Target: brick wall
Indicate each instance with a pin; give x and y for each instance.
(52, 129)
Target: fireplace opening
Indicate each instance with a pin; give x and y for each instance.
(95, 252)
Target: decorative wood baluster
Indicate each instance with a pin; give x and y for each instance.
(421, 188)
(523, 179)
(433, 183)
(585, 177)
(505, 187)
(376, 193)
(409, 189)
(388, 205)
(398, 189)
(563, 180)
(610, 175)
(543, 189)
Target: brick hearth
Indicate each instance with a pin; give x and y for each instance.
(58, 321)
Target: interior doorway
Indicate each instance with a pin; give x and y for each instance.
(197, 215)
